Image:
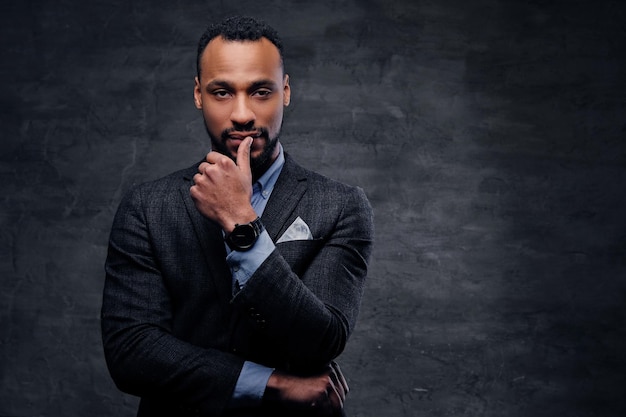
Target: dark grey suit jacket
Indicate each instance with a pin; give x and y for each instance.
(174, 333)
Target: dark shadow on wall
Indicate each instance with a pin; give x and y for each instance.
(546, 87)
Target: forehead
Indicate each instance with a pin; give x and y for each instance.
(239, 60)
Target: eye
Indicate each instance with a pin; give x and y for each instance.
(262, 93)
(221, 94)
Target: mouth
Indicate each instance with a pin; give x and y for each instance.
(242, 135)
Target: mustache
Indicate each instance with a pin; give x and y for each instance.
(255, 131)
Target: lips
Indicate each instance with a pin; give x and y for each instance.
(243, 135)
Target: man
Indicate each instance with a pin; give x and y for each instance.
(232, 286)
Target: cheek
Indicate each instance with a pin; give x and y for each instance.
(215, 117)
(274, 118)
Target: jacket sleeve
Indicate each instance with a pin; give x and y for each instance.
(305, 297)
(143, 356)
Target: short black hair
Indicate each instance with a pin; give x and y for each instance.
(239, 28)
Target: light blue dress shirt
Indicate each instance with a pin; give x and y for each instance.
(253, 377)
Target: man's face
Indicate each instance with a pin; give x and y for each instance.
(241, 92)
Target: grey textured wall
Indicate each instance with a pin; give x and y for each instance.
(488, 135)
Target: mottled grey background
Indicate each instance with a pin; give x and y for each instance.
(489, 136)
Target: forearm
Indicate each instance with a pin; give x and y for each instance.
(292, 316)
(308, 318)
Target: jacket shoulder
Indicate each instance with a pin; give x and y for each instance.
(317, 180)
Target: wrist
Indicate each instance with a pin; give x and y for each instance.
(228, 224)
(272, 389)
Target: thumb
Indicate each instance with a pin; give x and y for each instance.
(243, 155)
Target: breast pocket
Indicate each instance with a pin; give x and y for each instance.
(300, 253)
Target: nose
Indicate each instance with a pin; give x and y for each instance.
(242, 114)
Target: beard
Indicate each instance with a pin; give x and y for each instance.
(259, 164)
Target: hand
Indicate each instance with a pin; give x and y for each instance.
(322, 394)
(222, 189)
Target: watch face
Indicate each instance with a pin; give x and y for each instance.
(243, 236)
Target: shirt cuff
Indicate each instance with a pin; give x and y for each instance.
(251, 385)
(244, 264)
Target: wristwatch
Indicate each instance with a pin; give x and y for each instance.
(243, 236)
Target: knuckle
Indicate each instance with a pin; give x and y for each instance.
(222, 162)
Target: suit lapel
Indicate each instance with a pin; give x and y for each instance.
(288, 191)
(209, 234)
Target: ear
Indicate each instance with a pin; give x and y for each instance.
(197, 96)
(286, 91)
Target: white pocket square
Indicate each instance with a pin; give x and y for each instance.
(298, 230)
